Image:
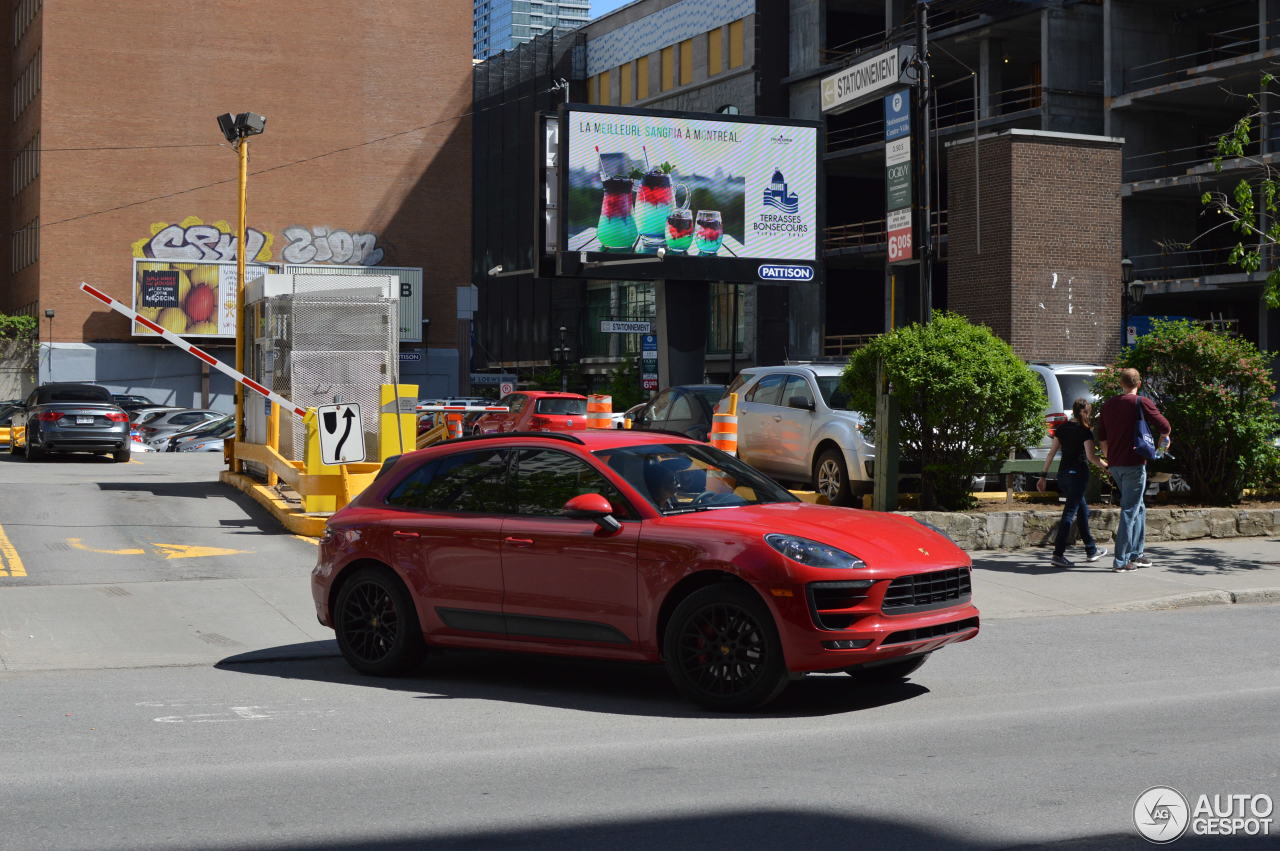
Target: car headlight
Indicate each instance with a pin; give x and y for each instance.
(926, 524)
(812, 553)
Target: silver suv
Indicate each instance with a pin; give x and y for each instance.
(1063, 384)
(793, 425)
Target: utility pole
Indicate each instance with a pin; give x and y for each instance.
(923, 100)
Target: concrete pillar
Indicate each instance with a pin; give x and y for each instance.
(990, 75)
(683, 316)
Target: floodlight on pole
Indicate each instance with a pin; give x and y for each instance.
(237, 131)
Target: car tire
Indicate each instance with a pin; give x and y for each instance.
(122, 456)
(377, 624)
(35, 453)
(889, 672)
(730, 621)
(831, 477)
(13, 446)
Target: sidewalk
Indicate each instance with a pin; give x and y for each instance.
(1021, 583)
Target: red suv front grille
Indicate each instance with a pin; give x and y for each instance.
(920, 592)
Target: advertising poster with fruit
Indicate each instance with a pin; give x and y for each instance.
(692, 185)
(192, 299)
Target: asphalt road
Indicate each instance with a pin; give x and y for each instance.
(1042, 731)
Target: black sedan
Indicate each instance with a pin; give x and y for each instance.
(684, 408)
(70, 417)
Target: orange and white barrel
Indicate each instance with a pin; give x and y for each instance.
(455, 426)
(599, 410)
(724, 427)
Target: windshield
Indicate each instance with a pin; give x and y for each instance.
(710, 395)
(554, 405)
(829, 387)
(677, 478)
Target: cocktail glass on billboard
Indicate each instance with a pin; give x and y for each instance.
(708, 233)
(654, 203)
(680, 230)
(617, 227)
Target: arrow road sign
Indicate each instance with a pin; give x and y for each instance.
(341, 434)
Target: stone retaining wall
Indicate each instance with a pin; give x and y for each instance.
(1017, 529)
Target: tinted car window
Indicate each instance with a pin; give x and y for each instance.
(187, 419)
(73, 393)
(797, 388)
(768, 391)
(464, 481)
(829, 387)
(659, 407)
(677, 478)
(711, 396)
(681, 408)
(517, 403)
(561, 406)
(1076, 387)
(547, 479)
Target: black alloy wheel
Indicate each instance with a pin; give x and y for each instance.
(376, 624)
(722, 649)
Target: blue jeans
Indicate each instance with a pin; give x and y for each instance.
(1131, 534)
(1072, 485)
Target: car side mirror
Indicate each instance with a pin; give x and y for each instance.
(804, 403)
(592, 506)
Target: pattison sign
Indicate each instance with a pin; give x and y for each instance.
(859, 83)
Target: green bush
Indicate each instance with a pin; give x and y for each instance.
(1215, 391)
(624, 386)
(964, 398)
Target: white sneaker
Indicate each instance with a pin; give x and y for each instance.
(1099, 554)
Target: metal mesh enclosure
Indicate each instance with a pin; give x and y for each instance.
(322, 350)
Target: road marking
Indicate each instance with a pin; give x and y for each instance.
(185, 551)
(308, 540)
(223, 712)
(75, 542)
(10, 563)
(169, 551)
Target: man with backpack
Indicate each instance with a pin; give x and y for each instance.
(1127, 453)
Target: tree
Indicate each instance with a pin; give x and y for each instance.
(1240, 205)
(964, 399)
(624, 385)
(1215, 390)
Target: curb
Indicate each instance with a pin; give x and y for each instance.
(1189, 600)
(307, 525)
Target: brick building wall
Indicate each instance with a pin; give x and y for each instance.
(1036, 255)
(367, 132)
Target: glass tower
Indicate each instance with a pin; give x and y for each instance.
(502, 24)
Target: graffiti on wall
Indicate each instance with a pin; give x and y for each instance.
(192, 240)
(319, 244)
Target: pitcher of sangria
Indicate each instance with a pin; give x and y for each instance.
(655, 201)
(616, 229)
(708, 232)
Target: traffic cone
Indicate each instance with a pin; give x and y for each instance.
(599, 409)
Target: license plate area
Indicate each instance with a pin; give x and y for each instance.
(84, 420)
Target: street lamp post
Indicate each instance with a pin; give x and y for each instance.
(48, 314)
(561, 353)
(237, 129)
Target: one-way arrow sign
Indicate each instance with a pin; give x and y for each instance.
(341, 434)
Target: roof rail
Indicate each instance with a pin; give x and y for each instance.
(553, 435)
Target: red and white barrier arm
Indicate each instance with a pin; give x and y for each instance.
(239, 377)
(462, 409)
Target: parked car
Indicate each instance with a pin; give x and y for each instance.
(140, 416)
(536, 410)
(627, 545)
(1063, 384)
(168, 423)
(684, 408)
(218, 429)
(70, 417)
(427, 419)
(131, 402)
(794, 424)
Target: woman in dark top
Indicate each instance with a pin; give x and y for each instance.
(1075, 439)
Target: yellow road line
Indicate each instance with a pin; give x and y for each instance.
(10, 563)
(308, 540)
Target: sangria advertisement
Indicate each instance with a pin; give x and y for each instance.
(694, 185)
(191, 299)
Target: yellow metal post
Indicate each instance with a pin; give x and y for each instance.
(313, 466)
(242, 148)
(397, 430)
(273, 439)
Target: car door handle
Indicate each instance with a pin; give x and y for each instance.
(400, 533)
(520, 542)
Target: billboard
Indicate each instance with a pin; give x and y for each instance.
(191, 299)
(716, 197)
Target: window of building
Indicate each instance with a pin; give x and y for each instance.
(721, 332)
(642, 78)
(26, 165)
(606, 92)
(626, 74)
(23, 14)
(737, 43)
(686, 62)
(24, 246)
(715, 51)
(668, 68)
